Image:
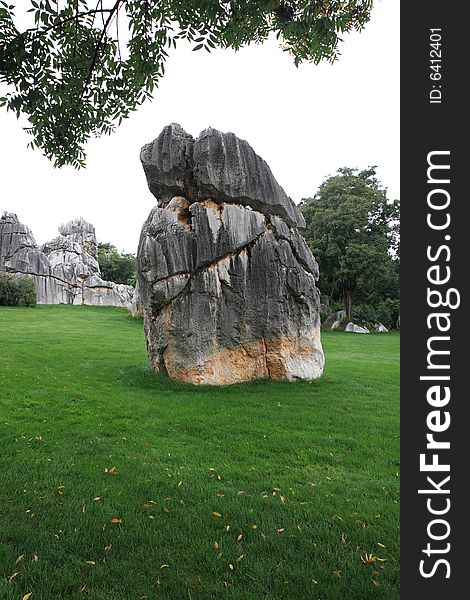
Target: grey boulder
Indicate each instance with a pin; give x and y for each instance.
(227, 286)
(353, 328)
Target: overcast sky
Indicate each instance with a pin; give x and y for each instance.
(304, 122)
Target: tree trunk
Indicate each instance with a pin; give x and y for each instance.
(348, 298)
(332, 290)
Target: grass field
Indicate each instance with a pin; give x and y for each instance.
(118, 484)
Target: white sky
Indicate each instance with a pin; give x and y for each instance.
(304, 122)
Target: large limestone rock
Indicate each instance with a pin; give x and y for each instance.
(64, 270)
(226, 281)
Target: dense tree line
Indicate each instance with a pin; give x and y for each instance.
(353, 230)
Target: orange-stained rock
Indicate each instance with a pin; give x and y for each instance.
(279, 358)
(227, 284)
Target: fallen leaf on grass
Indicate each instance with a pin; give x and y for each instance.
(111, 471)
(27, 596)
(116, 520)
(216, 545)
(165, 567)
(376, 583)
(381, 545)
(368, 559)
(240, 537)
(343, 537)
(90, 562)
(19, 559)
(12, 576)
(337, 574)
(35, 558)
(216, 514)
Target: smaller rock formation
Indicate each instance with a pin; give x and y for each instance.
(64, 270)
(353, 328)
(334, 321)
(137, 309)
(379, 328)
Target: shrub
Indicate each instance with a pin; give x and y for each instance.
(17, 290)
(386, 312)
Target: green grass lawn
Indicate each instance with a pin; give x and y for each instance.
(119, 484)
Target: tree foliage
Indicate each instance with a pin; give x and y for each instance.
(353, 231)
(83, 65)
(17, 290)
(117, 267)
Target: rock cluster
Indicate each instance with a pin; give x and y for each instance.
(226, 281)
(64, 270)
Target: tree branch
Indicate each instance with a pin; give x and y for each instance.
(68, 19)
(112, 11)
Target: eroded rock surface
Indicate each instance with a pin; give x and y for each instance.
(64, 270)
(226, 281)
(216, 165)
